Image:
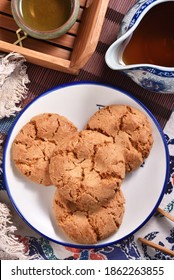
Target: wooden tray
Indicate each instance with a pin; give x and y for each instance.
(70, 52)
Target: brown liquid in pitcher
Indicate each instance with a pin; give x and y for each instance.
(153, 40)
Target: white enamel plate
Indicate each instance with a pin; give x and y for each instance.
(143, 189)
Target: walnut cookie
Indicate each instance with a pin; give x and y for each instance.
(35, 143)
(129, 128)
(89, 227)
(88, 170)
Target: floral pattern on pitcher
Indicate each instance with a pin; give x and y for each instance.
(151, 81)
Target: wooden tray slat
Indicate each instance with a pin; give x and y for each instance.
(5, 7)
(44, 60)
(70, 52)
(36, 45)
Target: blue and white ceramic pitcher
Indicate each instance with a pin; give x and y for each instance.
(152, 77)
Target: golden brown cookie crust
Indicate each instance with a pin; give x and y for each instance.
(88, 170)
(129, 128)
(35, 143)
(89, 227)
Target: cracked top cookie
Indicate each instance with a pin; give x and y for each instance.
(88, 170)
(35, 143)
(129, 128)
(89, 227)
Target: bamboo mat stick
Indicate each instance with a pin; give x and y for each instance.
(156, 246)
(166, 214)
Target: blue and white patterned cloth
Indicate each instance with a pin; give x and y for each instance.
(158, 229)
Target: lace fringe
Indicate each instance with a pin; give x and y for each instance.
(13, 80)
(10, 248)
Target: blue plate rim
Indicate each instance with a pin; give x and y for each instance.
(76, 83)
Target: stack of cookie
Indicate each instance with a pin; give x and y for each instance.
(87, 167)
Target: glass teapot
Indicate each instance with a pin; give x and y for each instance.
(153, 68)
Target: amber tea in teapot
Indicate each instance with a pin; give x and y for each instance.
(153, 40)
